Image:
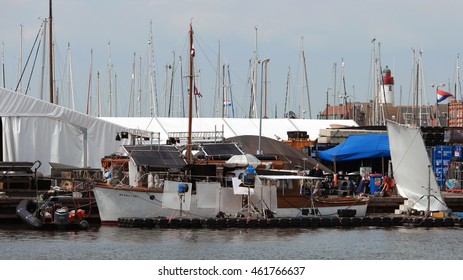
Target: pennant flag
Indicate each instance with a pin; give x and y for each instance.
(227, 103)
(442, 95)
(197, 92)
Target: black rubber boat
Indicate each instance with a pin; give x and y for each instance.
(50, 214)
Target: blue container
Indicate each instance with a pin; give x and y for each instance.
(376, 181)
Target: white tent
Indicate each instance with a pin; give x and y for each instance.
(34, 129)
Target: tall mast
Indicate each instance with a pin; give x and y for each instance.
(171, 92)
(306, 80)
(3, 65)
(216, 108)
(457, 83)
(42, 80)
(285, 111)
(190, 97)
(51, 52)
(110, 66)
(98, 93)
(151, 72)
(334, 90)
(132, 86)
(230, 92)
(89, 90)
(224, 97)
(253, 107)
(139, 97)
(70, 83)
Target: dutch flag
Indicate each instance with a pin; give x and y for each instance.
(442, 95)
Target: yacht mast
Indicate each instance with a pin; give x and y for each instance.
(50, 20)
(43, 58)
(3, 65)
(110, 66)
(70, 83)
(89, 90)
(306, 80)
(287, 97)
(190, 98)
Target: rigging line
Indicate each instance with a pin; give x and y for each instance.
(33, 67)
(32, 49)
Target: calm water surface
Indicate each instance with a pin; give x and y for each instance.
(18, 242)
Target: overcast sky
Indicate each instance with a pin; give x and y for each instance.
(333, 31)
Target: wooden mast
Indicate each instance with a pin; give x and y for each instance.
(190, 97)
(51, 54)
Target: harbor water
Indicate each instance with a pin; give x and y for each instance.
(18, 242)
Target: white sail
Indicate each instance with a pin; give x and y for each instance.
(411, 166)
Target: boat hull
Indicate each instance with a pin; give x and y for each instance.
(122, 202)
(115, 203)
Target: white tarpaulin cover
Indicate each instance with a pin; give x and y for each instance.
(410, 163)
(34, 129)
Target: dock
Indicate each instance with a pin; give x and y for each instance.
(380, 212)
(385, 221)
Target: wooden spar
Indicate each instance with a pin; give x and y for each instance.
(190, 98)
(51, 54)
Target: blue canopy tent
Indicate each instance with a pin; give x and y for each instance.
(358, 147)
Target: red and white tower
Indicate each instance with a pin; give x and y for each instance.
(387, 87)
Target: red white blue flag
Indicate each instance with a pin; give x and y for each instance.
(442, 95)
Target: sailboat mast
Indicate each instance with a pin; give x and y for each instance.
(44, 33)
(230, 92)
(3, 64)
(224, 97)
(306, 80)
(89, 90)
(190, 97)
(110, 65)
(285, 113)
(51, 51)
(70, 83)
(457, 83)
(217, 86)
